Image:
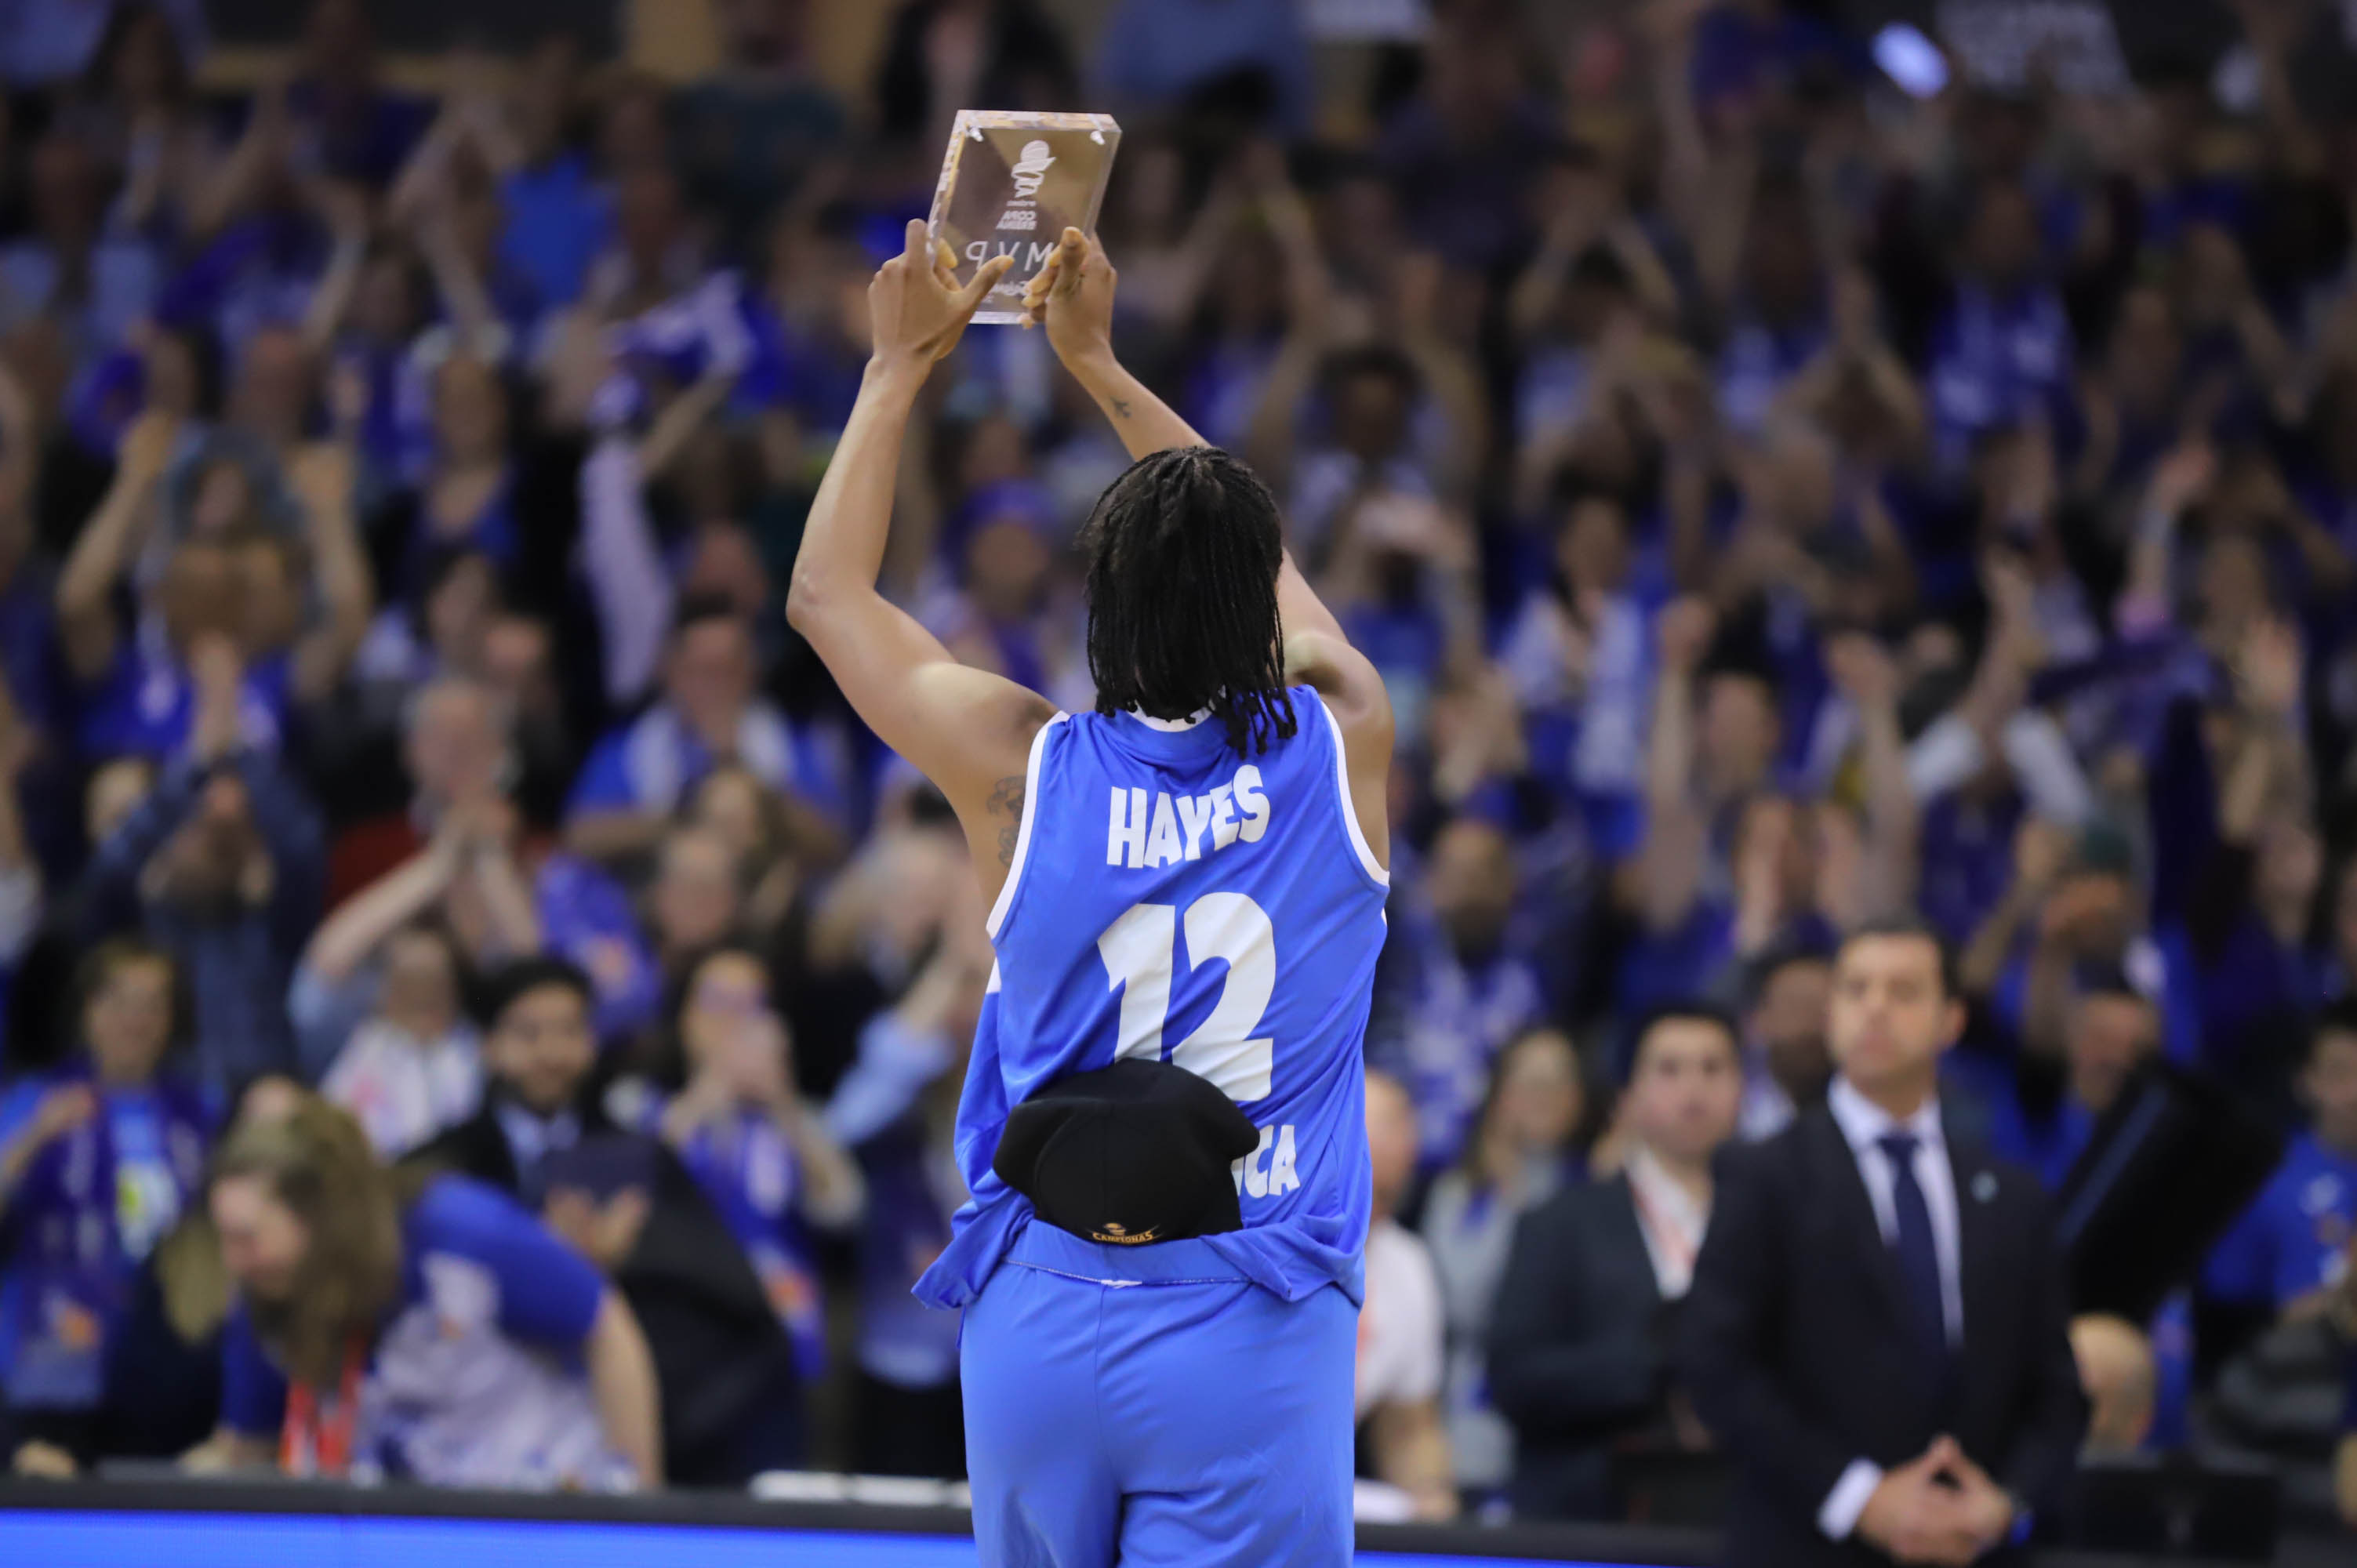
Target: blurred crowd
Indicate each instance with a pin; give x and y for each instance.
(1775, 496)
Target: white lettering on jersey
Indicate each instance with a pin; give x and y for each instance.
(1162, 842)
(1278, 1175)
(1194, 816)
(1254, 803)
(1142, 836)
(1128, 829)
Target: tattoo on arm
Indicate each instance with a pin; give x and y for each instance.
(1006, 796)
(1121, 407)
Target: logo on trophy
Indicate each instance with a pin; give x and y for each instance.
(1011, 184)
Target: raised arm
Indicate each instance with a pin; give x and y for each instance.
(1073, 296)
(967, 730)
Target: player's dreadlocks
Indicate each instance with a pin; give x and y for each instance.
(1183, 554)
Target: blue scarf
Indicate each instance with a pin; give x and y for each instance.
(73, 1266)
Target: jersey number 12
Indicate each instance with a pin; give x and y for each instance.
(1139, 952)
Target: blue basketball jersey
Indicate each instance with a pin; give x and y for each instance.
(1171, 901)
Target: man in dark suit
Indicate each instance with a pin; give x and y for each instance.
(1580, 1335)
(731, 1394)
(1877, 1332)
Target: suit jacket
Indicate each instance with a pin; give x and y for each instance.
(1793, 1347)
(723, 1360)
(1578, 1348)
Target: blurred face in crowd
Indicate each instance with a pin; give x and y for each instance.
(270, 595)
(456, 745)
(1684, 1090)
(114, 792)
(545, 93)
(216, 856)
(2331, 1087)
(223, 504)
(763, 32)
(200, 594)
(1892, 1017)
(2003, 242)
(1776, 834)
(1391, 1141)
(1738, 730)
(541, 1048)
(2232, 586)
(273, 386)
(1795, 478)
(732, 806)
(145, 71)
(632, 134)
(68, 201)
(695, 896)
(1540, 1096)
(1789, 1022)
(1471, 881)
(729, 1028)
(2146, 353)
(1592, 549)
(2290, 866)
(420, 991)
(386, 305)
(2111, 1034)
(262, 1242)
(709, 676)
(470, 411)
(272, 1097)
(338, 43)
(460, 607)
(1782, 267)
(167, 368)
(647, 215)
(515, 664)
(128, 1019)
(1370, 415)
(1006, 565)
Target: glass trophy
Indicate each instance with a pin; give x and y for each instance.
(1011, 183)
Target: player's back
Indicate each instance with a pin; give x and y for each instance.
(1170, 900)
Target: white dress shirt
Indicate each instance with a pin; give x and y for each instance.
(1863, 1124)
(1668, 1219)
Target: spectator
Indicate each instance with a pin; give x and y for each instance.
(943, 54)
(1580, 1340)
(761, 1154)
(97, 1161)
(1402, 1334)
(1456, 986)
(221, 864)
(749, 132)
(1857, 1455)
(709, 715)
(1522, 1150)
(2116, 1369)
(349, 124)
(622, 1200)
(1786, 1065)
(415, 1066)
(70, 270)
(1155, 56)
(2288, 1251)
(429, 1328)
(2047, 1119)
(138, 112)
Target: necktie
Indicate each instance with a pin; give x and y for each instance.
(1912, 1247)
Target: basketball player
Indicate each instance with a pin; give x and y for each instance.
(1194, 874)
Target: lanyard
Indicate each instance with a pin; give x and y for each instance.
(311, 1445)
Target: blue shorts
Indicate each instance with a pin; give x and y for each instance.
(1182, 1416)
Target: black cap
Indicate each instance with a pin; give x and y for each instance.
(1136, 1153)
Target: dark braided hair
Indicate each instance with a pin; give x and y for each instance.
(1183, 554)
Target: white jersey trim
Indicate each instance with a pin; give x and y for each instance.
(1023, 833)
(1367, 860)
